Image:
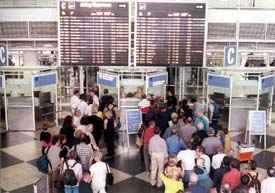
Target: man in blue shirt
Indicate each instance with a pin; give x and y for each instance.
(174, 143)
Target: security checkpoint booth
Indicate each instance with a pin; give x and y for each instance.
(241, 91)
(122, 84)
(30, 93)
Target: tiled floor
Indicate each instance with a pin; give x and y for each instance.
(20, 150)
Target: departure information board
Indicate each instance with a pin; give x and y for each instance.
(169, 34)
(94, 33)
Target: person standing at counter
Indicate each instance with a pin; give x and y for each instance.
(109, 127)
(144, 106)
(94, 97)
(138, 94)
(75, 100)
(213, 113)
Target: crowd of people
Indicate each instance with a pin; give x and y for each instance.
(181, 145)
(186, 149)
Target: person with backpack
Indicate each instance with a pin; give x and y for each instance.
(54, 160)
(255, 177)
(213, 113)
(72, 174)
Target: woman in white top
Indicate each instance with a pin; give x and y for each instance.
(98, 172)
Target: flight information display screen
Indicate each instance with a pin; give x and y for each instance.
(170, 34)
(94, 33)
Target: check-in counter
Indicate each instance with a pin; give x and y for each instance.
(20, 113)
(239, 112)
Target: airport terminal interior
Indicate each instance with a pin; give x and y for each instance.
(157, 89)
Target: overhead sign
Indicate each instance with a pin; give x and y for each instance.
(267, 82)
(45, 79)
(218, 81)
(157, 80)
(3, 55)
(257, 122)
(230, 56)
(94, 33)
(169, 33)
(107, 79)
(133, 120)
(2, 81)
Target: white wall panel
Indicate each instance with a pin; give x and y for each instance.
(28, 14)
(222, 16)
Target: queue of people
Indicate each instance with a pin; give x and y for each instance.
(182, 148)
(187, 151)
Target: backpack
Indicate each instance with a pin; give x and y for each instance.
(43, 162)
(69, 177)
(254, 182)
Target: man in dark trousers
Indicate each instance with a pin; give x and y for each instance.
(97, 124)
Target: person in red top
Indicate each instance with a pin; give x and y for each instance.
(147, 134)
(233, 177)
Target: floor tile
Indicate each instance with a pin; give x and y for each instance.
(264, 159)
(14, 138)
(134, 185)
(33, 162)
(18, 176)
(26, 151)
(144, 176)
(119, 175)
(26, 189)
(127, 162)
(8, 160)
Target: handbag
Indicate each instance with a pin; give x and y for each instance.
(109, 178)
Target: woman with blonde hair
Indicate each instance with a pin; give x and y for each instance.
(172, 171)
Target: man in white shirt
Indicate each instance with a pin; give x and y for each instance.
(200, 154)
(268, 185)
(82, 106)
(75, 100)
(187, 158)
(94, 97)
(77, 168)
(217, 159)
(98, 173)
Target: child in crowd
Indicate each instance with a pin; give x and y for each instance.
(85, 183)
(45, 137)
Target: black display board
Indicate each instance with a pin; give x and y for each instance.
(94, 33)
(170, 34)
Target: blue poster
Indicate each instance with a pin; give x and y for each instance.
(267, 82)
(133, 119)
(107, 80)
(157, 80)
(230, 56)
(45, 79)
(257, 122)
(218, 81)
(3, 55)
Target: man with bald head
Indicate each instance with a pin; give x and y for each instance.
(188, 130)
(193, 186)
